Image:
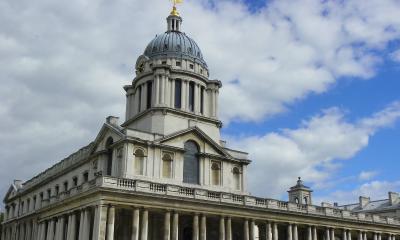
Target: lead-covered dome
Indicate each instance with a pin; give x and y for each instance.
(174, 43)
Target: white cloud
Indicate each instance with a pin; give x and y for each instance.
(312, 151)
(367, 175)
(64, 63)
(395, 55)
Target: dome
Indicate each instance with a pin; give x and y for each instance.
(175, 44)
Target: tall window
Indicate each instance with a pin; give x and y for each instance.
(167, 166)
(202, 100)
(149, 94)
(139, 162)
(191, 96)
(178, 93)
(216, 174)
(236, 178)
(191, 163)
(140, 98)
(109, 142)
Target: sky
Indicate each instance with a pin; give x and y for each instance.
(310, 88)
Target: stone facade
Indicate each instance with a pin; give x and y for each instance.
(165, 173)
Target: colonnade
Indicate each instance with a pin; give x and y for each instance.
(98, 223)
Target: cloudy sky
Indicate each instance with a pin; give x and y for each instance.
(311, 87)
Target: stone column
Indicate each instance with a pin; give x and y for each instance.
(309, 233)
(50, 230)
(349, 235)
(246, 229)
(81, 223)
(276, 233)
(295, 232)
(379, 236)
(269, 234)
(252, 230)
(72, 227)
(344, 234)
(195, 234)
(290, 232)
(203, 228)
(221, 228)
(86, 225)
(135, 223)
(394, 237)
(360, 235)
(61, 228)
(38, 234)
(375, 236)
(110, 223)
(332, 234)
(365, 236)
(228, 228)
(145, 225)
(175, 226)
(22, 231)
(315, 233)
(167, 225)
(327, 235)
(100, 223)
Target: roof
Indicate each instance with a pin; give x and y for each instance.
(372, 206)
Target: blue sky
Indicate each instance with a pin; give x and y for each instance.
(310, 88)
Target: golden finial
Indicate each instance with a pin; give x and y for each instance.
(175, 12)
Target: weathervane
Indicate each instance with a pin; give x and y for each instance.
(174, 11)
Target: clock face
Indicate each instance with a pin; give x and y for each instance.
(140, 63)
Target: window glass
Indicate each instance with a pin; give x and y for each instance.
(191, 163)
(191, 96)
(139, 162)
(215, 174)
(178, 93)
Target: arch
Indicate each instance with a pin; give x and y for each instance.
(109, 142)
(215, 173)
(191, 163)
(167, 162)
(236, 178)
(139, 162)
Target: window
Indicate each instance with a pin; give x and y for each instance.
(236, 178)
(109, 142)
(48, 193)
(140, 97)
(178, 93)
(75, 181)
(178, 64)
(191, 96)
(215, 174)
(296, 200)
(191, 66)
(167, 166)
(202, 100)
(85, 176)
(65, 186)
(41, 196)
(305, 200)
(191, 163)
(28, 204)
(149, 94)
(34, 202)
(201, 71)
(22, 207)
(139, 162)
(164, 62)
(57, 190)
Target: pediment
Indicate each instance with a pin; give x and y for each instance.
(12, 191)
(107, 131)
(206, 144)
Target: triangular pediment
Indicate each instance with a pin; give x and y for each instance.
(12, 191)
(206, 144)
(106, 132)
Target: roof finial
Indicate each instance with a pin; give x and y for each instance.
(175, 12)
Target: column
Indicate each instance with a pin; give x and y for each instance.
(344, 234)
(365, 236)
(61, 228)
(50, 230)
(289, 232)
(332, 234)
(175, 226)
(379, 236)
(145, 225)
(295, 232)
(71, 234)
(195, 234)
(221, 228)
(110, 223)
(57, 234)
(135, 223)
(327, 235)
(228, 228)
(3, 234)
(375, 236)
(276, 233)
(81, 222)
(203, 228)
(246, 229)
(22, 231)
(394, 237)
(309, 233)
(315, 233)
(252, 230)
(360, 235)
(268, 228)
(100, 223)
(349, 235)
(167, 225)
(86, 225)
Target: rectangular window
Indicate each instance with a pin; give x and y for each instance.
(75, 181)
(48, 193)
(191, 96)
(178, 93)
(149, 94)
(191, 66)
(85, 176)
(57, 190)
(34, 202)
(202, 100)
(178, 64)
(140, 98)
(65, 186)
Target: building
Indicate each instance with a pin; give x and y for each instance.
(165, 173)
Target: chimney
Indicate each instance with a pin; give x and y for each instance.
(393, 198)
(364, 201)
(112, 120)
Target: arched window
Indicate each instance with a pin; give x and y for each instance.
(178, 93)
(109, 142)
(191, 163)
(149, 94)
(216, 174)
(305, 200)
(191, 96)
(167, 166)
(139, 162)
(236, 178)
(296, 200)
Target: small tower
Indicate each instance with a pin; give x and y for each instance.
(300, 194)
